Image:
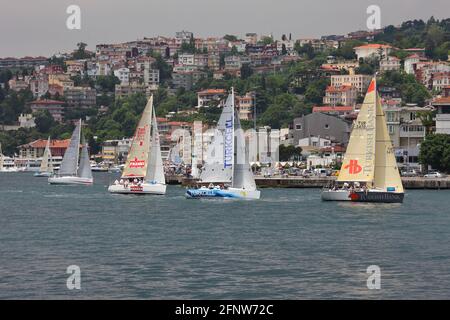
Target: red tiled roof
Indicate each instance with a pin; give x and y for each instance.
(178, 123)
(443, 100)
(41, 143)
(373, 46)
(339, 89)
(212, 91)
(334, 148)
(46, 102)
(333, 109)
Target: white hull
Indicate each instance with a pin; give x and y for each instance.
(245, 194)
(144, 188)
(68, 180)
(230, 193)
(13, 169)
(336, 195)
(43, 174)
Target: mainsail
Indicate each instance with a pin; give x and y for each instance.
(84, 171)
(69, 163)
(155, 169)
(242, 173)
(219, 158)
(137, 160)
(386, 170)
(46, 163)
(1, 157)
(359, 160)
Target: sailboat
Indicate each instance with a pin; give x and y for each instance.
(46, 168)
(144, 171)
(230, 162)
(70, 172)
(369, 172)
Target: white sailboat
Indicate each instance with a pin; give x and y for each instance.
(144, 171)
(46, 168)
(70, 173)
(233, 165)
(369, 172)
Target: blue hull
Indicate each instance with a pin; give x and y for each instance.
(209, 193)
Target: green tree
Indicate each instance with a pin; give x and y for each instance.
(230, 37)
(44, 121)
(290, 152)
(435, 152)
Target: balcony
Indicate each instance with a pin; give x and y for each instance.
(412, 134)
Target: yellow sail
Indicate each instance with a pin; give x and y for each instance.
(359, 160)
(137, 160)
(387, 176)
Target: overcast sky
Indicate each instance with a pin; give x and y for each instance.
(38, 27)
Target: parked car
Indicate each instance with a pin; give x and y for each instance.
(434, 174)
(409, 173)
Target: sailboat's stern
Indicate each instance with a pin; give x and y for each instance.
(377, 196)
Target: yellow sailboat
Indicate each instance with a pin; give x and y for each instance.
(369, 172)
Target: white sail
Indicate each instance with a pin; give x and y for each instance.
(155, 168)
(46, 163)
(197, 146)
(137, 160)
(359, 160)
(387, 175)
(84, 170)
(219, 159)
(1, 157)
(69, 163)
(242, 173)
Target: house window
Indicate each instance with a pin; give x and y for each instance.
(327, 126)
(298, 127)
(391, 129)
(412, 116)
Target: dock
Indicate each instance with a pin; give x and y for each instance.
(320, 182)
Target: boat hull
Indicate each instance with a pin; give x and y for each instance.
(42, 174)
(9, 170)
(377, 196)
(231, 193)
(69, 180)
(336, 195)
(145, 188)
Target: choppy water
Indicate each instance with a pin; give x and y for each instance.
(288, 245)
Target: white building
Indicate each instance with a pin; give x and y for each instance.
(186, 59)
(410, 63)
(373, 50)
(359, 81)
(390, 63)
(123, 74)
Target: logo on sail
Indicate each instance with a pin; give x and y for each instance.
(228, 157)
(353, 167)
(140, 135)
(136, 163)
